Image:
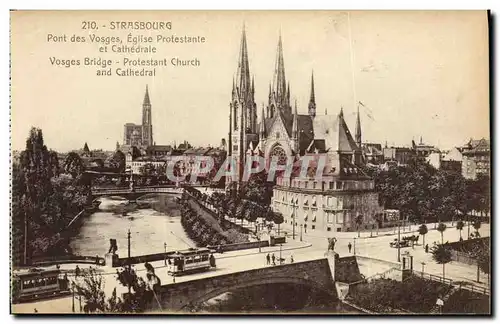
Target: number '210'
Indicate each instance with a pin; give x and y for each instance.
(89, 25)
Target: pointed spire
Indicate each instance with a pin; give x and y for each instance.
(358, 129)
(295, 126)
(86, 148)
(279, 81)
(341, 114)
(146, 97)
(421, 142)
(262, 130)
(243, 72)
(312, 99)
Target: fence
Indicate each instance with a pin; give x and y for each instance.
(432, 277)
(473, 288)
(462, 257)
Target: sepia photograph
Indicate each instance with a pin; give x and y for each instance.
(250, 162)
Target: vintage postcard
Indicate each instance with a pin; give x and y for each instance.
(250, 162)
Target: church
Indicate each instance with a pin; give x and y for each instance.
(140, 136)
(345, 198)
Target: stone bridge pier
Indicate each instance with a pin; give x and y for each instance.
(176, 297)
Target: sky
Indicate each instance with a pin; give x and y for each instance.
(418, 74)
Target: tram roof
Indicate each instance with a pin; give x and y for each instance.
(36, 273)
(190, 252)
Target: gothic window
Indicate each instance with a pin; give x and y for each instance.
(279, 153)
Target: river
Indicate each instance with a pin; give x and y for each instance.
(150, 229)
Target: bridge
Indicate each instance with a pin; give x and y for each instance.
(180, 296)
(135, 193)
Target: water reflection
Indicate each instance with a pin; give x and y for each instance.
(149, 230)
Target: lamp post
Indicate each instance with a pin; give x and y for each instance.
(165, 257)
(293, 221)
(354, 246)
(129, 261)
(301, 225)
(399, 239)
(281, 245)
(423, 265)
(73, 299)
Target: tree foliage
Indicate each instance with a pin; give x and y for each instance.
(45, 196)
(425, 194)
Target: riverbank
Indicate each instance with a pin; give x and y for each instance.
(204, 228)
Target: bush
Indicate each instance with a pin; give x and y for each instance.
(385, 295)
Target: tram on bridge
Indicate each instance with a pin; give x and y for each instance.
(34, 284)
(192, 260)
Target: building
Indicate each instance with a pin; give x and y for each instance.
(400, 155)
(434, 159)
(422, 150)
(452, 160)
(372, 153)
(140, 135)
(284, 134)
(334, 202)
(476, 158)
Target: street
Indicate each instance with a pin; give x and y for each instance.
(311, 247)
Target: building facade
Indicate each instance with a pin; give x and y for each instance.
(140, 135)
(476, 158)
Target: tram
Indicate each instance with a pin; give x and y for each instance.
(36, 284)
(187, 261)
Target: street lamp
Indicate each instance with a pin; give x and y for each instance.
(301, 225)
(73, 299)
(129, 261)
(293, 221)
(281, 245)
(165, 256)
(399, 239)
(423, 265)
(355, 246)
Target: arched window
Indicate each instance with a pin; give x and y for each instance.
(278, 153)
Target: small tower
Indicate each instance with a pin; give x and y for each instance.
(312, 99)
(147, 125)
(358, 130)
(262, 128)
(295, 129)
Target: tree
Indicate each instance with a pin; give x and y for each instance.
(460, 226)
(477, 226)
(422, 230)
(359, 222)
(73, 164)
(441, 228)
(441, 254)
(118, 161)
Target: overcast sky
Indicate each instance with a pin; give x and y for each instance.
(418, 73)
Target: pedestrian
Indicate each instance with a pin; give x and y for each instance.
(268, 259)
(274, 259)
(427, 248)
(77, 271)
(97, 259)
(291, 258)
(58, 266)
(349, 246)
(36, 310)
